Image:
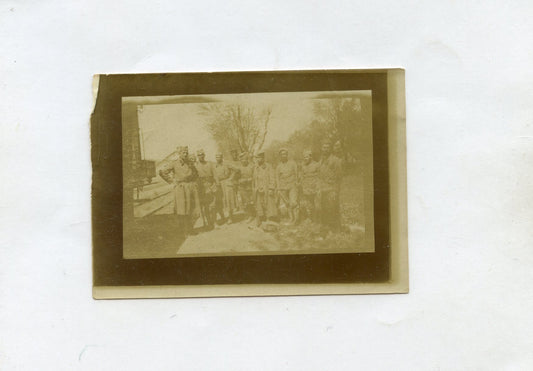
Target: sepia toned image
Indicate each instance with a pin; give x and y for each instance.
(249, 183)
(247, 174)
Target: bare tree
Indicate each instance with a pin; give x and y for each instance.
(237, 126)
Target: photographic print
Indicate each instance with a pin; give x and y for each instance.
(249, 183)
(247, 174)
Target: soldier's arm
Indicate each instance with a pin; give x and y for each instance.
(181, 175)
(194, 175)
(233, 168)
(167, 173)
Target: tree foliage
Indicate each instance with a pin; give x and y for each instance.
(237, 126)
(341, 119)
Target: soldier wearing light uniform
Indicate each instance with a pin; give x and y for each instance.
(245, 185)
(330, 173)
(206, 189)
(232, 184)
(183, 176)
(223, 173)
(309, 183)
(286, 180)
(264, 186)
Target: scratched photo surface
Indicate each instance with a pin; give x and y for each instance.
(247, 174)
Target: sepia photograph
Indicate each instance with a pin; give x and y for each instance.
(249, 183)
(247, 174)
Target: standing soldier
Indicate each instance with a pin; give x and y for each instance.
(309, 182)
(183, 175)
(245, 185)
(206, 189)
(264, 187)
(232, 185)
(260, 187)
(330, 173)
(286, 180)
(223, 174)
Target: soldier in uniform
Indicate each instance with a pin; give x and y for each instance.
(231, 197)
(264, 187)
(286, 180)
(206, 189)
(309, 184)
(183, 175)
(223, 173)
(330, 173)
(245, 185)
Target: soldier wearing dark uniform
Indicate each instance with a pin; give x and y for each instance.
(245, 185)
(206, 189)
(286, 180)
(309, 183)
(183, 175)
(264, 187)
(330, 173)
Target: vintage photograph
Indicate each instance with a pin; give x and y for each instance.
(247, 174)
(249, 183)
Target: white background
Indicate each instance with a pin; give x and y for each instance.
(470, 142)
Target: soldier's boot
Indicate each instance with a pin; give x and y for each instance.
(207, 220)
(250, 211)
(222, 217)
(212, 218)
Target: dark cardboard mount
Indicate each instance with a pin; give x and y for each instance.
(384, 271)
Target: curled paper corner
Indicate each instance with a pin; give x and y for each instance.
(95, 86)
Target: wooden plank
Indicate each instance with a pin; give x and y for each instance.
(152, 206)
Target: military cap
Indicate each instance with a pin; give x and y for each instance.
(182, 148)
(219, 154)
(307, 153)
(283, 150)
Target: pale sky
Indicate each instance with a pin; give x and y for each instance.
(166, 126)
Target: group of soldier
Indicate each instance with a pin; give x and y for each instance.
(291, 191)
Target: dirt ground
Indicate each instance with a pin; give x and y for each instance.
(157, 235)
